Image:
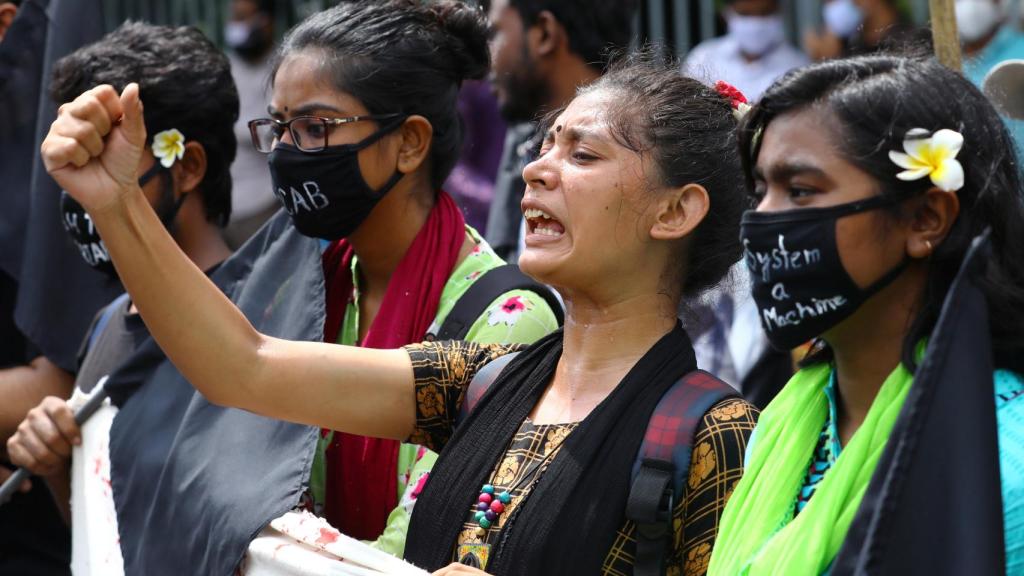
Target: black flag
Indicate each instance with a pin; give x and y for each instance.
(193, 483)
(33, 538)
(934, 504)
(58, 294)
(21, 78)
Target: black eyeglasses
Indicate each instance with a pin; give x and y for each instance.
(309, 133)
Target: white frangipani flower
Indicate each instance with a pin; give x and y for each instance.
(169, 146)
(933, 156)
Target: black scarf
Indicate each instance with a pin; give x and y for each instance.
(569, 521)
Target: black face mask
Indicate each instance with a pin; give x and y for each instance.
(800, 286)
(80, 228)
(325, 192)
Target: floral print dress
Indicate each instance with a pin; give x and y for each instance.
(517, 316)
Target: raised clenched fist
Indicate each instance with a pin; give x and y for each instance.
(94, 146)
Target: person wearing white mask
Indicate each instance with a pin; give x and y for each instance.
(860, 26)
(986, 37)
(989, 39)
(723, 322)
(752, 54)
(842, 17)
(249, 39)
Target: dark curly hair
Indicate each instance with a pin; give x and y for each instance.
(689, 131)
(876, 100)
(185, 83)
(597, 30)
(401, 56)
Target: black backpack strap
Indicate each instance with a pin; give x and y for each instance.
(662, 465)
(650, 504)
(486, 289)
(482, 381)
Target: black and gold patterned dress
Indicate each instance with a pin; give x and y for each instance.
(443, 370)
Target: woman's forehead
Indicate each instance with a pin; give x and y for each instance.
(585, 116)
(807, 142)
(301, 80)
(805, 135)
(588, 109)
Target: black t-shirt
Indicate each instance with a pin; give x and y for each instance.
(114, 334)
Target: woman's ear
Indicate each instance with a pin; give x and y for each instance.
(931, 221)
(189, 171)
(680, 211)
(417, 134)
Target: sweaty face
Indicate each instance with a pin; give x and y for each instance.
(515, 80)
(299, 90)
(588, 205)
(800, 166)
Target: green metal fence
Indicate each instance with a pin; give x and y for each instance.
(678, 24)
(208, 15)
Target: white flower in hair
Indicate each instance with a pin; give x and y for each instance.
(933, 156)
(169, 146)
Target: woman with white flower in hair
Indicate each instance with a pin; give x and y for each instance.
(870, 183)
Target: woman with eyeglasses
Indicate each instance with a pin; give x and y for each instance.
(363, 129)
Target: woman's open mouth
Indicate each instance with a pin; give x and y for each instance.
(542, 223)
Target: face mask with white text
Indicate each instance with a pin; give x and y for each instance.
(799, 283)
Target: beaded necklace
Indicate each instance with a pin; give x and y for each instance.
(491, 505)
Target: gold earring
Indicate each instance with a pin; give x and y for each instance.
(928, 243)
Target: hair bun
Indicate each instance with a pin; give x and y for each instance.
(466, 30)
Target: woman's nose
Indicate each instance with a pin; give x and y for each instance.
(285, 137)
(540, 173)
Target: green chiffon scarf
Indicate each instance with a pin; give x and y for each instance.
(759, 534)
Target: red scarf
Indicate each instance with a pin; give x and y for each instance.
(362, 472)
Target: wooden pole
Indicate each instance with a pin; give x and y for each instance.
(944, 34)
